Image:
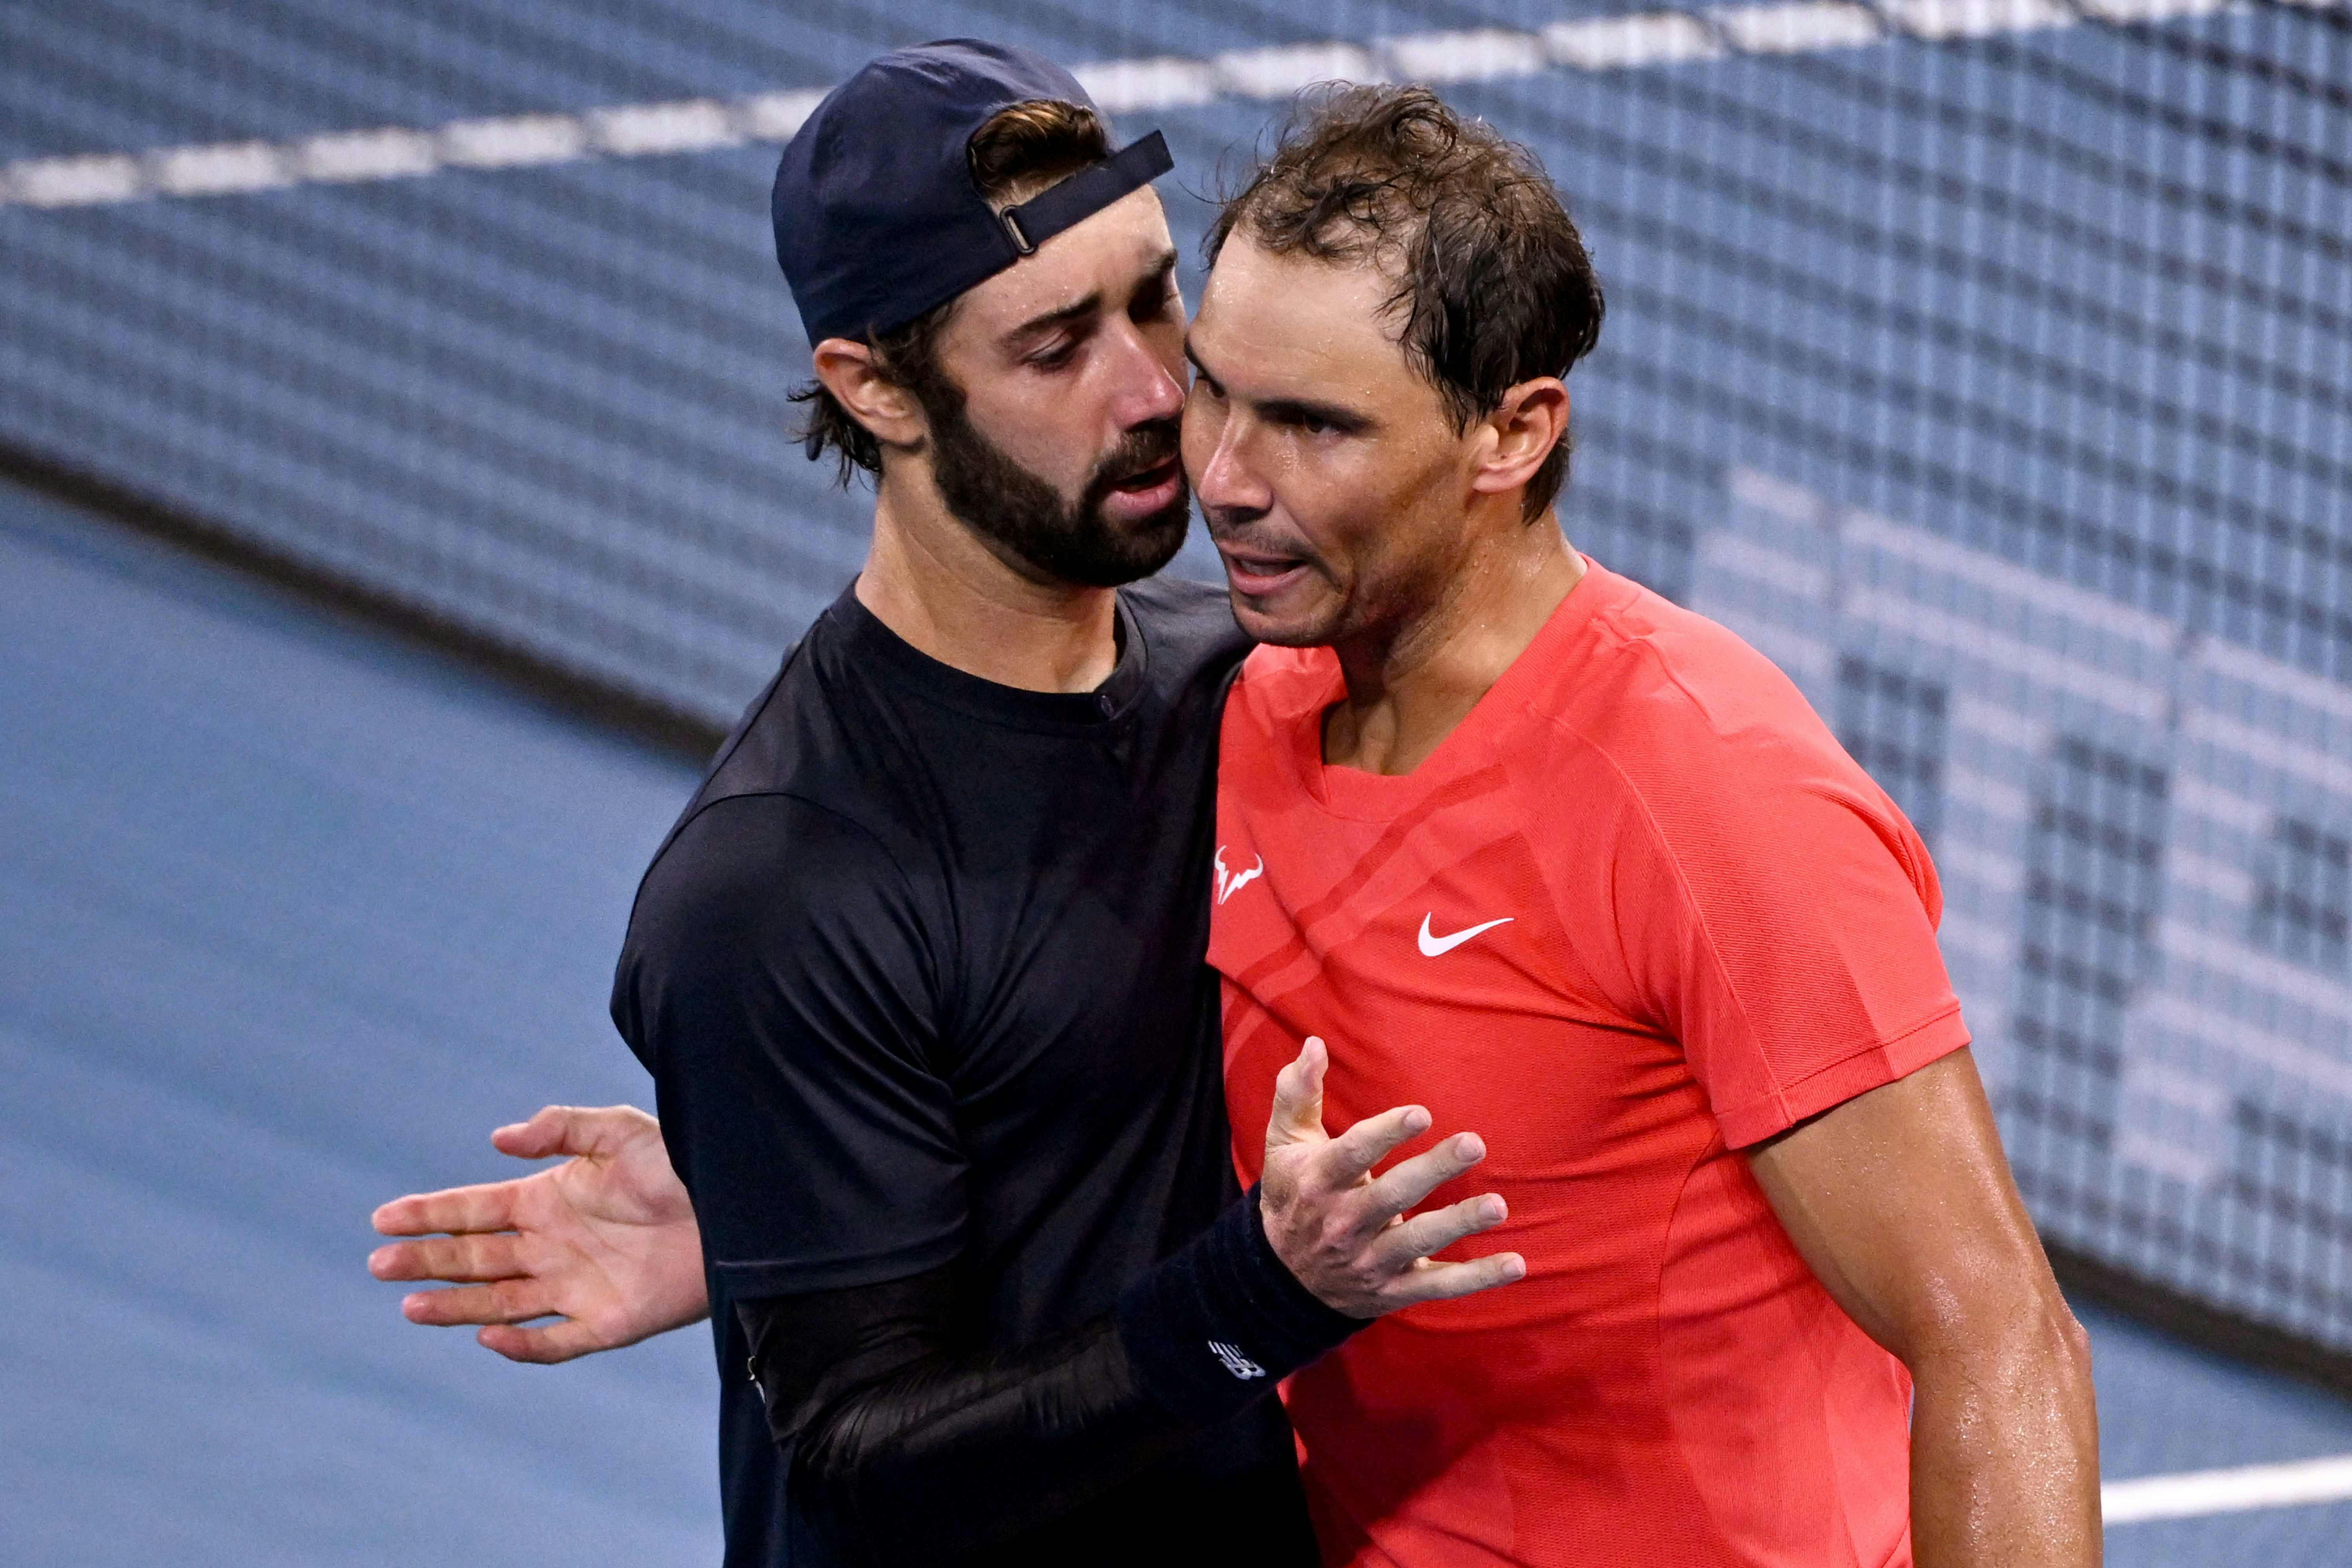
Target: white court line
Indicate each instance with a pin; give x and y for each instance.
(2199, 1492)
(635, 129)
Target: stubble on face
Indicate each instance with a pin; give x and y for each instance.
(1030, 525)
(1367, 509)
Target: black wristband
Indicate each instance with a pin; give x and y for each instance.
(1216, 1325)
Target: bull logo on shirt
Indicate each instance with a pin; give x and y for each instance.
(1230, 882)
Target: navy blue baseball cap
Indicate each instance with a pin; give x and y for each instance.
(877, 217)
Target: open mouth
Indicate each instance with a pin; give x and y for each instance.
(1147, 490)
(1256, 573)
(1151, 478)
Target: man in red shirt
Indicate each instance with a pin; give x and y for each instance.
(1532, 846)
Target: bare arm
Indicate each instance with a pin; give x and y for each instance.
(605, 1241)
(1901, 1201)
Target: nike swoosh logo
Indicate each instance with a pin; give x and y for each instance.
(1430, 946)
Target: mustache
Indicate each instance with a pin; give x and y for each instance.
(1146, 447)
(1248, 539)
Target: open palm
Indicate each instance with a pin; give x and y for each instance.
(605, 1242)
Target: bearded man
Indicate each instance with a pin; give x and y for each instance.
(918, 973)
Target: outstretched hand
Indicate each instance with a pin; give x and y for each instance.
(1341, 1230)
(606, 1241)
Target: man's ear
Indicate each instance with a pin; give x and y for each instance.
(848, 372)
(1531, 420)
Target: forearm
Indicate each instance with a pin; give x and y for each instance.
(957, 1452)
(2004, 1453)
(907, 1445)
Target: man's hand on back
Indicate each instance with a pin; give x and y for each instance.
(605, 1241)
(1341, 1230)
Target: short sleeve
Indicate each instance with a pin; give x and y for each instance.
(777, 983)
(1779, 917)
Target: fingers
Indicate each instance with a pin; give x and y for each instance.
(1406, 1183)
(1355, 1151)
(505, 1302)
(541, 1347)
(1299, 1096)
(1444, 1281)
(489, 1205)
(501, 1310)
(545, 1134)
(1403, 1245)
(459, 1258)
(573, 1130)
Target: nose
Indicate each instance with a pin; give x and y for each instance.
(1149, 391)
(1217, 452)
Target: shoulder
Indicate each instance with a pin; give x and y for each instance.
(1677, 703)
(1189, 625)
(780, 743)
(814, 753)
(743, 863)
(766, 902)
(734, 902)
(1709, 746)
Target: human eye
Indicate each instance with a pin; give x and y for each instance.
(1157, 300)
(1055, 355)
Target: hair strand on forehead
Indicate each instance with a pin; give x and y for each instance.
(1493, 286)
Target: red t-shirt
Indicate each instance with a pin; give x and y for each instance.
(1637, 911)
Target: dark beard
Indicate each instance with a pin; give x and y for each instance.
(1025, 520)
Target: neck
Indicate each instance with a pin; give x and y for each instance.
(935, 583)
(1411, 682)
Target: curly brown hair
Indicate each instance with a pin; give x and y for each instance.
(1018, 152)
(1493, 283)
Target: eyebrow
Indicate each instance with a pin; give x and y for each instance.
(1162, 267)
(1289, 410)
(1061, 316)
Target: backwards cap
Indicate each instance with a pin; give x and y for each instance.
(877, 216)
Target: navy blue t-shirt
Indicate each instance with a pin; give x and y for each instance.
(920, 976)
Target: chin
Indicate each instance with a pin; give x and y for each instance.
(1152, 545)
(1281, 628)
(1110, 553)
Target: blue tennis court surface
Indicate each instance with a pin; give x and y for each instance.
(292, 917)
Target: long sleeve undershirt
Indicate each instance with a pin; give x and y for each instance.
(910, 1443)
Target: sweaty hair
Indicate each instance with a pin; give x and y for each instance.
(1017, 153)
(1492, 284)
